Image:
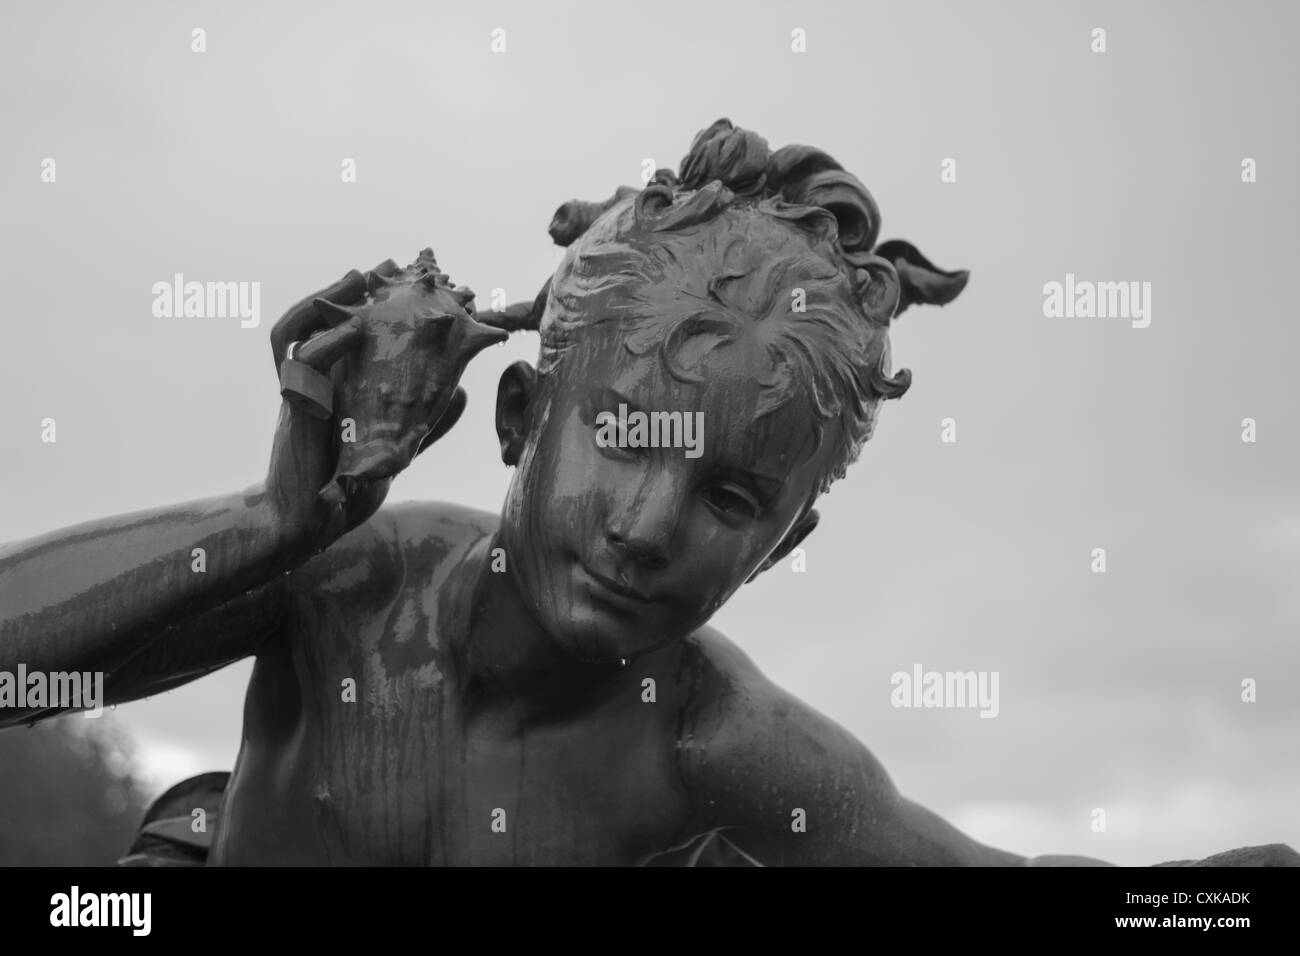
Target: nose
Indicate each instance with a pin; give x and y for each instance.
(643, 523)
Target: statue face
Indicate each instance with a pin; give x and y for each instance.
(620, 550)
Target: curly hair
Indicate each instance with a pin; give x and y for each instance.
(773, 250)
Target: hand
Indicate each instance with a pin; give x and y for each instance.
(305, 450)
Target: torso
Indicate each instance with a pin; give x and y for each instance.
(409, 771)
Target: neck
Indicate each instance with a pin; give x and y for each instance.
(513, 661)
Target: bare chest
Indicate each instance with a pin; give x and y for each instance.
(387, 763)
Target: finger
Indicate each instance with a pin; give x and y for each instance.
(294, 324)
(388, 268)
(446, 421)
(304, 318)
(519, 315)
(512, 318)
(325, 349)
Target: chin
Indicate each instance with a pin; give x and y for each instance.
(598, 635)
(592, 624)
(596, 639)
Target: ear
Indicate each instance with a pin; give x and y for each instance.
(515, 395)
(794, 537)
(922, 282)
(878, 287)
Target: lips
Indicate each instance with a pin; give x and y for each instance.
(616, 587)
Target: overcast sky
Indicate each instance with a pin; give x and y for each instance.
(1119, 691)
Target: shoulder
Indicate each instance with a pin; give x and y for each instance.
(740, 701)
(755, 758)
(787, 785)
(431, 525)
(408, 540)
(742, 716)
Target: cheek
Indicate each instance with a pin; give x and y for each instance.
(721, 560)
(556, 492)
(735, 553)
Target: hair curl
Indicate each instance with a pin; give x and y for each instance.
(737, 230)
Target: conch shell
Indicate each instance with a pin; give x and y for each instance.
(418, 334)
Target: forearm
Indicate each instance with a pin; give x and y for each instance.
(951, 845)
(91, 596)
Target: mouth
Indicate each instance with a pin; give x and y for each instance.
(616, 588)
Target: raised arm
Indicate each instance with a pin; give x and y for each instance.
(163, 596)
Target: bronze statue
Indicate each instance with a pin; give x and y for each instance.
(436, 685)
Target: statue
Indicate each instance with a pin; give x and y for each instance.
(437, 685)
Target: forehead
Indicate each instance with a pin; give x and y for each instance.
(739, 431)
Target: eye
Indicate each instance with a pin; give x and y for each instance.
(732, 501)
(619, 447)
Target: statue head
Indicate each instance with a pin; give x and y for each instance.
(746, 293)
